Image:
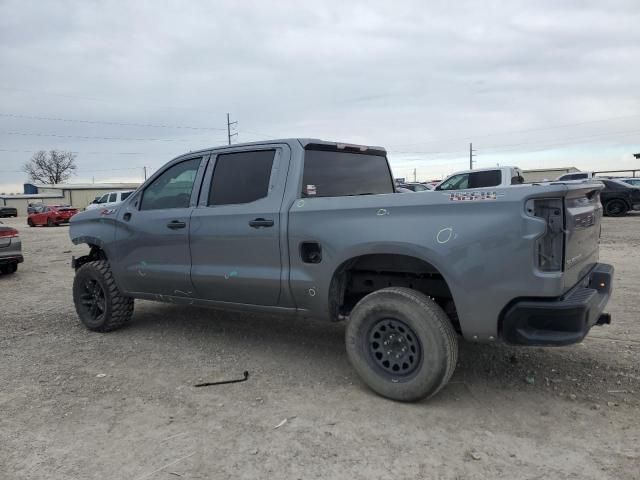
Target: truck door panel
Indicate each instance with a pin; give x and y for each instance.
(235, 232)
(152, 233)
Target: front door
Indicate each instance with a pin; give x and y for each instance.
(236, 229)
(152, 232)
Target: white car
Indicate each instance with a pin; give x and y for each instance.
(109, 199)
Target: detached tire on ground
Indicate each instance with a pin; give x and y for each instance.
(100, 305)
(402, 344)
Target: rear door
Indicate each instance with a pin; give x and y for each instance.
(236, 229)
(152, 231)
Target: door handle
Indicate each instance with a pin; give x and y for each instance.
(176, 224)
(261, 222)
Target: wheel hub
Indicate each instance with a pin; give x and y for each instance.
(394, 347)
(93, 299)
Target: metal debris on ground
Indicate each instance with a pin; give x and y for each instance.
(281, 423)
(223, 382)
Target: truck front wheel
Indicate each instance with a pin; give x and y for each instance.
(401, 343)
(100, 305)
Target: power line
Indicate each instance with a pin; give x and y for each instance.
(76, 152)
(86, 137)
(566, 141)
(511, 132)
(100, 122)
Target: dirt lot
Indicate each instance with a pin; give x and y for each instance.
(82, 405)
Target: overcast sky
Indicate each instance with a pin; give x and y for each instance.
(536, 84)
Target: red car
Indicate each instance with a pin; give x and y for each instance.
(51, 215)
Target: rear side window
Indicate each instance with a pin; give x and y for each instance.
(490, 178)
(337, 174)
(172, 189)
(125, 195)
(241, 177)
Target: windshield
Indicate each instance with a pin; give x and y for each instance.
(336, 174)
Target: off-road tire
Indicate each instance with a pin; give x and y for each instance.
(615, 208)
(118, 308)
(437, 343)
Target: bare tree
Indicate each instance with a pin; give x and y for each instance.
(54, 167)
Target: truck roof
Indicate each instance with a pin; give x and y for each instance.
(302, 141)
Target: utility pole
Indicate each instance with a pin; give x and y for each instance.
(471, 155)
(229, 134)
(414, 175)
(145, 173)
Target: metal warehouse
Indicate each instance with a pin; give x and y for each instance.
(541, 174)
(79, 195)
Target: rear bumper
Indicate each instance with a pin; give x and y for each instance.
(11, 259)
(564, 320)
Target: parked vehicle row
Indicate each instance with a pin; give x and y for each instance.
(10, 249)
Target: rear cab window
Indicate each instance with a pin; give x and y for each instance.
(332, 172)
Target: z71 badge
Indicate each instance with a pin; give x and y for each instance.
(472, 196)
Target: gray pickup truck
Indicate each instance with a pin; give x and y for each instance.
(311, 228)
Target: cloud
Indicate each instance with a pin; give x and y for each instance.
(406, 75)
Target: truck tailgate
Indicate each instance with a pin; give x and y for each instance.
(583, 213)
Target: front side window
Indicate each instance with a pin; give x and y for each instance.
(330, 173)
(172, 189)
(457, 182)
(241, 177)
(113, 197)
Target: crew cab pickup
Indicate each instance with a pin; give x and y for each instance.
(311, 228)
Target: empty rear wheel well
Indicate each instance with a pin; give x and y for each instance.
(359, 276)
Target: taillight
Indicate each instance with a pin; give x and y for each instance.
(9, 233)
(549, 247)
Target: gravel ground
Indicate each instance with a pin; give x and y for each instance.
(81, 405)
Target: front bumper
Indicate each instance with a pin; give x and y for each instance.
(564, 320)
